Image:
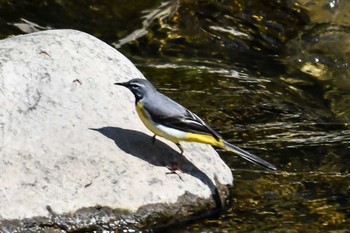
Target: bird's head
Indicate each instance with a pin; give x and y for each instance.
(139, 87)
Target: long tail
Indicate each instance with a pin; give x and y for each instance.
(248, 156)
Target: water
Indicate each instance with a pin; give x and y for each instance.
(270, 76)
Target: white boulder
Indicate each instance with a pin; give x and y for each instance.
(70, 139)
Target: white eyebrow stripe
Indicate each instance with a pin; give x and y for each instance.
(138, 84)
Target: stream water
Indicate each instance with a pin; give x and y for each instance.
(271, 76)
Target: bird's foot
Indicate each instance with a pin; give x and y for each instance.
(173, 168)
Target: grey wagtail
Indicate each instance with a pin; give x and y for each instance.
(167, 118)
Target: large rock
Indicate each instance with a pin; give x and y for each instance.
(73, 153)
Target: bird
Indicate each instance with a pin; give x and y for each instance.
(166, 118)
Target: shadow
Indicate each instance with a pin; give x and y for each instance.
(140, 145)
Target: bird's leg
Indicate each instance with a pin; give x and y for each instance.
(176, 166)
(180, 147)
(154, 139)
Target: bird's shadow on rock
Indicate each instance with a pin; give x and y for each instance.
(140, 145)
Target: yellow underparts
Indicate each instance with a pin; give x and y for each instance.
(204, 138)
(151, 126)
(176, 137)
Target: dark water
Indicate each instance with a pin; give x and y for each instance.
(270, 76)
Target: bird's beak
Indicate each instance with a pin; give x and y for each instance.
(121, 84)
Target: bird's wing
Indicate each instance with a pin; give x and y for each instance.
(192, 123)
(170, 113)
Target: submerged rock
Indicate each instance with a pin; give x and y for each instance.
(73, 153)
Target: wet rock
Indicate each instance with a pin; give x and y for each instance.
(73, 153)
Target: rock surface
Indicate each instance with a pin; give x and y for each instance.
(73, 153)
